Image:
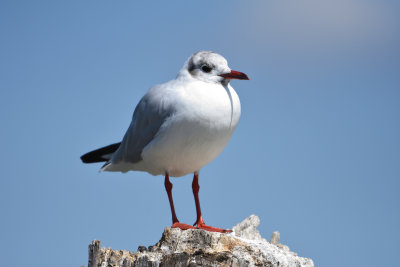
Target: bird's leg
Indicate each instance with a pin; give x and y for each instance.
(199, 221)
(175, 221)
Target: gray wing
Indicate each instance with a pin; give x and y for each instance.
(151, 112)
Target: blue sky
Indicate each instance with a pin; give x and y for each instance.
(315, 155)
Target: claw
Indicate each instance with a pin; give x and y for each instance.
(213, 229)
(182, 226)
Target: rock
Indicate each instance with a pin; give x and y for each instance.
(142, 249)
(275, 238)
(248, 228)
(243, 247)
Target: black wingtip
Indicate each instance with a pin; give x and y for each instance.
(88, 158)
(98, 155)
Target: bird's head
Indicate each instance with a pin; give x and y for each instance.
(211, 67)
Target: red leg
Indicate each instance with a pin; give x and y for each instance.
(199, 221)
(175, 221)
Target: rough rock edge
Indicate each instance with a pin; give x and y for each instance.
(243, 247)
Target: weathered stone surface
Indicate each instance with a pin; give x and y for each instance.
(275, 238)
(243, 247)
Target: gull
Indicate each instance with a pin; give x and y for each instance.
(178, 127)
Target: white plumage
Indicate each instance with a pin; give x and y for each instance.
(195, 116)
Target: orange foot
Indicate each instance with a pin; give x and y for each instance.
(201, 225)
(182, 226)
(212, 229)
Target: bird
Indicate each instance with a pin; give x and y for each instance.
(178, 127)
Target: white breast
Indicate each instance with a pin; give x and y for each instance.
(197, 133)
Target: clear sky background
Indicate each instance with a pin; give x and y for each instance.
(316, 154)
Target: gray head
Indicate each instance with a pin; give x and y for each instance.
(211, 67)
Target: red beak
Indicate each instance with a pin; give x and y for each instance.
(235, 75)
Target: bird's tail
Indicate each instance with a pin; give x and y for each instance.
(101, 154)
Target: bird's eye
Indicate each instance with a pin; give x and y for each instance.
(206, 68)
